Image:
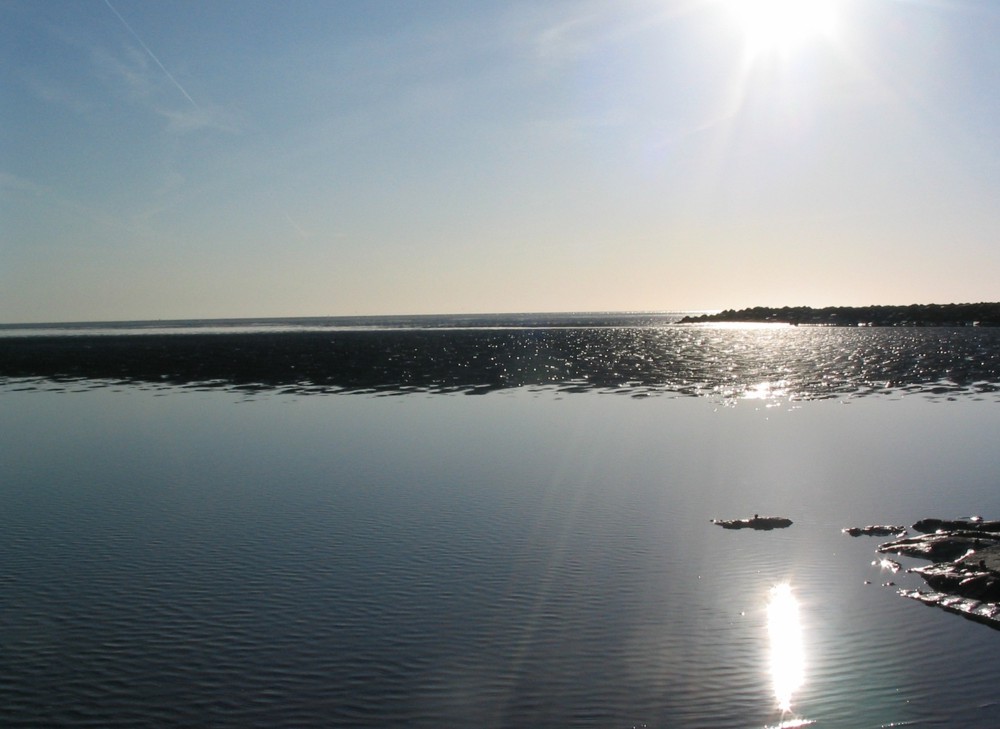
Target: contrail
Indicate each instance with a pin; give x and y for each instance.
(298, 229)
(151, 54)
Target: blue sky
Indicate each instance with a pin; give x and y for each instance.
(222, 159)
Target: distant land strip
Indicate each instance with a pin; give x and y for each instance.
(913, 315)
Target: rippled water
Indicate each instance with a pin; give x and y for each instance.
(175, 555)
(721, 362)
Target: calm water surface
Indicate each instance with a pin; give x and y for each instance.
(532, 557)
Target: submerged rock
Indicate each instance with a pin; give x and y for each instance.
(876, 530)
(755, 522)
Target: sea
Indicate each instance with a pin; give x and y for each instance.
(486, 521)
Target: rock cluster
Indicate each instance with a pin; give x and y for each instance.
(965, 575)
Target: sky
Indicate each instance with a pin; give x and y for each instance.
(191, 159)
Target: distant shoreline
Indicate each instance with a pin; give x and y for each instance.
(913, 315)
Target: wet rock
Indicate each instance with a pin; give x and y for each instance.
(940, 546)
(755, 522)
(982, 612)
(887, 564)
(972, 524)
(954, 578)
(965, 576)
(876, 530)
(985, 556)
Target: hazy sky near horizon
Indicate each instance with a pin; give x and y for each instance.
(187, 159)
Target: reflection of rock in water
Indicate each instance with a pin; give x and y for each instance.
(965, 576)
(765, 523)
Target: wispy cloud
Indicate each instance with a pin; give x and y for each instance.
(10, 181)
(598, 24)
(204, 117)
(55, 93)
(568, 39)
(130, 70)
(148, 82)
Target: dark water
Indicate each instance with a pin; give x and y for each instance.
(175, 554)
(635, 354)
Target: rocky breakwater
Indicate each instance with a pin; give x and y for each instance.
(964, 576)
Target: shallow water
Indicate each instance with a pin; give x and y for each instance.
(179, 557)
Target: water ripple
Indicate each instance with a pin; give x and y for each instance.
(730, 363)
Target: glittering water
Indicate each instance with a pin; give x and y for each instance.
(645, 357)
(176, 554)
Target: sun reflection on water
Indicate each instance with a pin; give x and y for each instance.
(787, 654)
(766, 390)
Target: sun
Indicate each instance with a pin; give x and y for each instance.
(781, 26)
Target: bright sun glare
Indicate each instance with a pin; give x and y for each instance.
(770, 26)
(787, 654)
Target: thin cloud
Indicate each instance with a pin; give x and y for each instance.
(203, 117)
(569, 38)
(10, 181)
(147, 85)
(52, 92)
(132, 71)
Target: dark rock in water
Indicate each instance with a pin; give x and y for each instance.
(755, 522)
(982, 612)
(888, 564)
(985, 556)
(975, 524)
(876, 530)
(963, 580)
(965, 575)
(941, 546)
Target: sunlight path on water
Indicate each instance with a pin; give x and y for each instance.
(787, 654)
